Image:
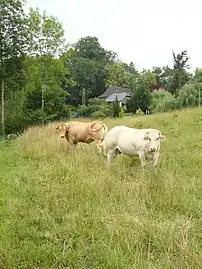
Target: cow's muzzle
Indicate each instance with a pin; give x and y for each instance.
(62, 136)
(152, 149)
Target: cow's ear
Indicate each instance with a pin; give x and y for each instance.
(67, 126)
(146, 136)
(162, 137)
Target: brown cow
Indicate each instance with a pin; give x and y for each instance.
(86, 132)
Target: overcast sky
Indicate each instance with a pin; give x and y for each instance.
(144, 32)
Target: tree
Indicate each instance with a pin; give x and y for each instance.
(87, 62)
(188, 96)
(180, 61)
(148, 77)
(141, 97)
(13, 36)
(130, 68)
(160, 82)
(198, 75)
(90, 48)
(162, 101)
(46, 34)
(55, 94)
(197, 80)
(180, 76)
(167, 77)
(116, 108)
(132, 104)
(15, 93)
(117, 76)
(89, 75)
(47, 37)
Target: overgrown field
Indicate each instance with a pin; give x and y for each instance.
(66, 210)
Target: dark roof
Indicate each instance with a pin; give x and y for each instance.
(115, 89)
(120, 96)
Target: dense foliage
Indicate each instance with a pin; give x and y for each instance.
(44, 79)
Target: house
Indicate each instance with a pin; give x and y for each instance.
(115, 92)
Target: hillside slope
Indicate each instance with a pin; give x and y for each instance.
(65, 210)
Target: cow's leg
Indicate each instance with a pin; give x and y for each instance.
(111, 155)
(70, 140)
(155, 158)
(72, 143)
(141, 155)
(99, 148)
(104, 152)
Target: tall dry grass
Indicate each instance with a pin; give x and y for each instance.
(64, 209)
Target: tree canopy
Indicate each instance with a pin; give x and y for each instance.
(45, 78)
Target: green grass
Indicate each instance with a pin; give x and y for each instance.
(66, 210)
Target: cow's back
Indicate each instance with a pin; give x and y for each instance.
(130, 140)
(79, 131)
(133, 140)
(85, 131)
(113, 136)
(126, 139)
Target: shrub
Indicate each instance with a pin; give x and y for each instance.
(84, 111)
(94, 105)
(116, 108)
(166, 104)
(36, 116)
(141, 98)
(159, 97)
(98, 115)
(121, 113)
(138, 112)
(15, 123)
(96, 102)
(188, 95)
(131, 105)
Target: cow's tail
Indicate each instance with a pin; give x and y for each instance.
(103, 146)
(102, 126)
(93, 123)
(104, 131)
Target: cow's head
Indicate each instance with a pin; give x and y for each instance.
(62, 127)
(154, 138)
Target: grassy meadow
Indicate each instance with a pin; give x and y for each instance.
(61, 209)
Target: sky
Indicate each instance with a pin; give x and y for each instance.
(144, 32)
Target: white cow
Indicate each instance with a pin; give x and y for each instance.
(130, 141)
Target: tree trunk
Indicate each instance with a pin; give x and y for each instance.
(22, 99)
(43, 85)
(84, 96)
(2, 108)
